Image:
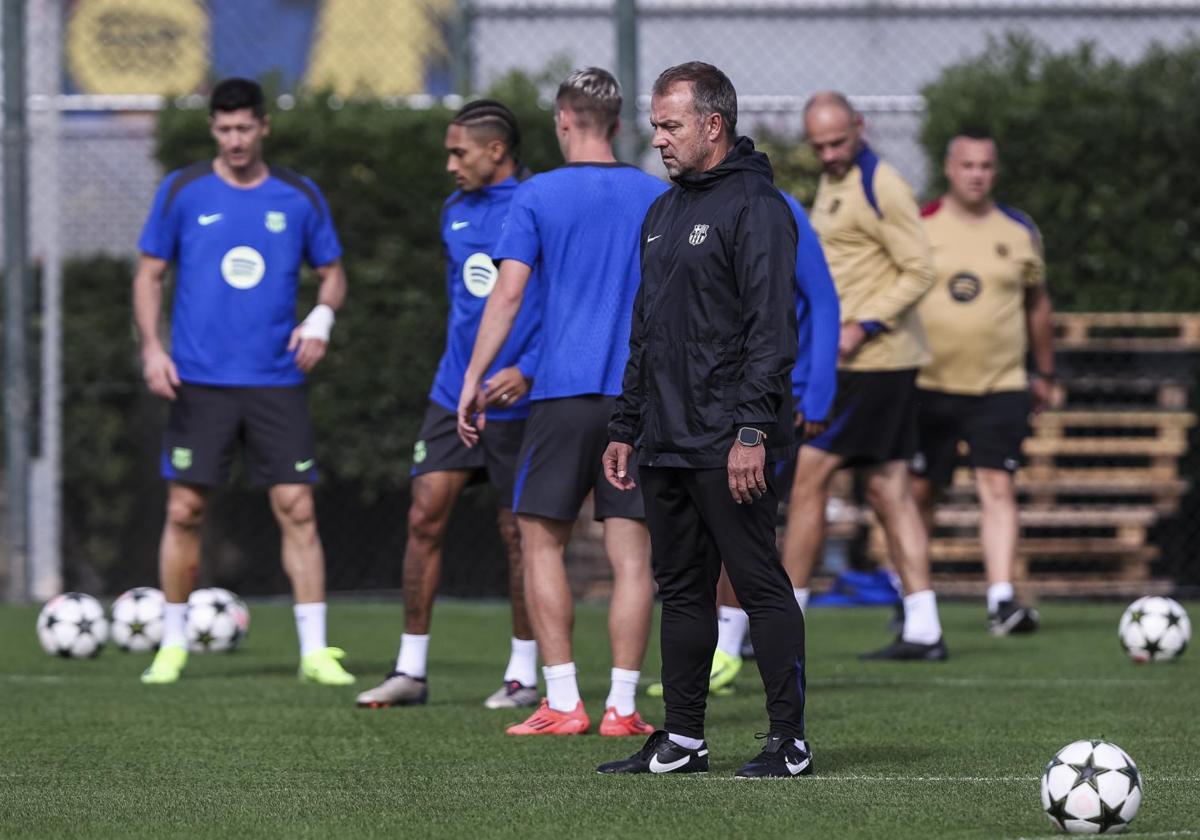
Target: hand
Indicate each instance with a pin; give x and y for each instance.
(506, 387)
(747, 480)
(616, 465)
(1042, 391)
(308, 351)
(159, 372)
(851, 338)
(471, 418)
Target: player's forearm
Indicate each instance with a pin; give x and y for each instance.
(333, 289)
(147, 304)
(915, 279)
(1039, 319)
(498, 317)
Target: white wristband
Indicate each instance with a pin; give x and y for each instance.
(318, 323)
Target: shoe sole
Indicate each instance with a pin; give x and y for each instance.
(543, 733)
(625, 733)
(1022, 625)
(382, 705)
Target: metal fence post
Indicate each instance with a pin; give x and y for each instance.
(461, 49)
(629, 141)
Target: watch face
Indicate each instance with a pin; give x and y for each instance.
(749, 437)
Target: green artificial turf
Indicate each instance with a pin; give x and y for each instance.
(239, 748)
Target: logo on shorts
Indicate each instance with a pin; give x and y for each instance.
(699, 234)
(1001, 250)
(479, 274)
(243, 267)
(306, 465)
(964, 287)
(276, 221)
(181, 458)
(420, 451)
(918, 464)
(1011, 464)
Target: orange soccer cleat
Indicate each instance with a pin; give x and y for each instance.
(547, 721)
(615, 725)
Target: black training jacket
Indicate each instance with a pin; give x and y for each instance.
(713, 340)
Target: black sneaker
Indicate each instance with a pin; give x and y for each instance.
(661, 755)
(781, 758)
(1011, 617)
(901, 650)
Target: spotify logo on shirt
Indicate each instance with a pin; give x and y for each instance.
(479, 274)
(243, 267)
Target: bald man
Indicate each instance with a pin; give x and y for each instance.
(879, 255)
(987, 309)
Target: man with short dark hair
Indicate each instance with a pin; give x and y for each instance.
(870, 229)
(706, 402)
(577, 226)
(987, 308)
(481, 143)
(238, 231)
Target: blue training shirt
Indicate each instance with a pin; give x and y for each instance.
(238, 254)
(471, 226)
(818, 317)
(579, 227)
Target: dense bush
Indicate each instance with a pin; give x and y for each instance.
(1102, 154)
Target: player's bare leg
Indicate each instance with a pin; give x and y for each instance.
(804, 537)
(433, 498)
(519, 687)
(522, 628)
(178, 561)
(304, 562)
(627, 544)
(889, 492)
(998, 533)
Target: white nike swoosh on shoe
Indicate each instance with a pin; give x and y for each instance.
(657, 766)
(652, 238)
(797, 768)
(458, 225)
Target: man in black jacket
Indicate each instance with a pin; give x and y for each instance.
(706, 402)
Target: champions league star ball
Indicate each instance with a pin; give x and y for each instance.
(216, 620)
(1154, 629)
(1091, 787)
(72, 625)
(137, 619)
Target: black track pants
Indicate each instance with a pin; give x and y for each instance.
(695, 526)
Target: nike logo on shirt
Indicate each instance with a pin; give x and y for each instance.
(458, 225)
(209, 218)
(650, 239)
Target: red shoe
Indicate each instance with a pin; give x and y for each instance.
(617, 726)
(547, 721)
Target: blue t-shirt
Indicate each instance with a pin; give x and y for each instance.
(471, 225)
(237, 254)
(818, 317)
(579, 227)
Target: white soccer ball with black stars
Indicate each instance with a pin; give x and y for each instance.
(1154, 629)
(72, 625)
(137, 619)
(1091, 787)
(216, 620)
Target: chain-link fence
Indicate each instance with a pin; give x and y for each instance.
(100, 71)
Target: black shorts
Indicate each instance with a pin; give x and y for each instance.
(206, 424)
(993, 425)
(560, 462)
(874, 417)
(439, 449)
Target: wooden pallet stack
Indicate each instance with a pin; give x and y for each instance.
(1103, 467)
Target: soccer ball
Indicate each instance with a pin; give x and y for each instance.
(72, 625)
(1091, 787)
(215, 620)
(1154, 629)
(137, 619)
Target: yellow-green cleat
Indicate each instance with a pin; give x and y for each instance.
(322, 667)
(724, 671)
(167, 665)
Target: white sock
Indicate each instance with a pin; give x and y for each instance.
(175, 625)
(562, 691)
(622, 691)
(414, 655)
(998, 593)
(921, 623)
(685, 742)
(522, 663)
(310, 626)
(732, 623)
(801, 597)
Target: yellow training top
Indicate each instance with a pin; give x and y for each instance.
(974, 316)
(870, 229)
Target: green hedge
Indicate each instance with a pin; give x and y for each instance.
(1101, 154)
